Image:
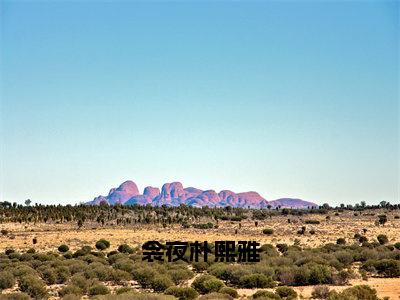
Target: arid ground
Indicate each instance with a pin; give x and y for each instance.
(45, 237)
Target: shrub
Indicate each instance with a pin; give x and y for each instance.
(282, 247)
(82, 252)
(256, 281)
(33, 286)
(63, 274)
(320, 292)
(124, 264)
(320, 274)
(265, 295)
(9, 251)
(49, 275)
(160, 283)
(397, 245)
(71, 297)
(80, 281)
(70, 290)
(229, 291)
(341, 278)
(200, 266)
(268, 231)
(102, 244)
(341, 241)
(315, 222)
(180, 275)
(144, 275)
(98, 289)
(15, 296)
(364, 275)
(63, 248)
(4, 231)
(208, 225)
(344, 257)
(382, 219)
(286, 292)
(213, 285)
(207, 284)
(123, 290)
(125, 248)
(355, 292)
(119, 276)
(388, 267)
(215, 296)
(7, 280)
(382, 239)
(182, 293)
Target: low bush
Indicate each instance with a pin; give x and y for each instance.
(119, 276)
(208, 225)
(124, 290)
(341, 241)
(286, 293)
(388, 267)
(256, 281)
(15, 296)
(33, 286)
(316, 222)
(70, 290)
(98, 289)
(215, 296)
(144, 275)
(180, 275)
(320, 292)
(7, 280)
(229, 291)
(265, 295)
(182, 293)
(320, 274)
(102, 244)
(355, 292)
(207, 284)
(282, 247)
(80, 281)
(160, 283)
(382, 239)
(397, 245)
(268, 231)
(63, 248)
(125, 248)
(49, 275)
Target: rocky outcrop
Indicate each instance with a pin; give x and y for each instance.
(174, 194)
(123, 193)
(292, 203)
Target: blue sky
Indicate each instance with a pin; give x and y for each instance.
(290, 99)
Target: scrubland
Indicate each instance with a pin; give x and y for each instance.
(95, 252)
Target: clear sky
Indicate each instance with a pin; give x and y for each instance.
(285, 98)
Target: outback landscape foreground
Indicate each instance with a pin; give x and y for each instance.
(81, 252)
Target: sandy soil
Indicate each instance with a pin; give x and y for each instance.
(50, 236)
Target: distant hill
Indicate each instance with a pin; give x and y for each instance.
(174, 194)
